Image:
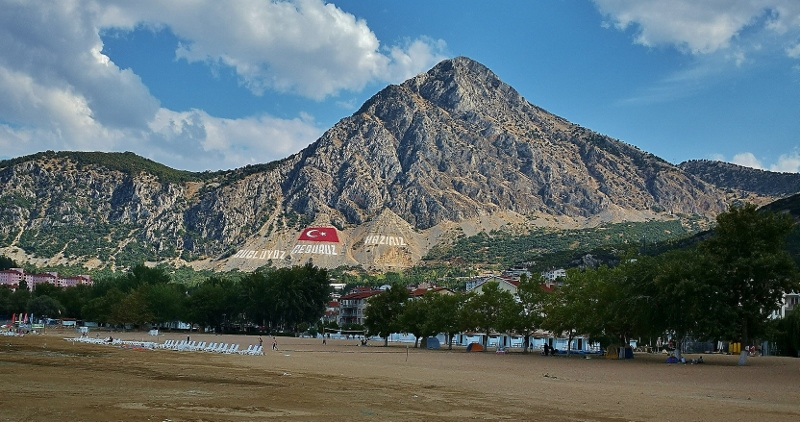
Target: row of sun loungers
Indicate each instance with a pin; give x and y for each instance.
(202, 346)
(176, 345)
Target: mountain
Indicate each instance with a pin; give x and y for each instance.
(449, 153)
(732, 176)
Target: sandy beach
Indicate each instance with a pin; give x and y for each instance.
(45, 378)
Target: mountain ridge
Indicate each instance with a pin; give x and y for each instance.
(453, 150)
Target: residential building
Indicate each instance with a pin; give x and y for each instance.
(14, 276)
(353, 304)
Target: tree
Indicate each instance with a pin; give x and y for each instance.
(101, 308)
(131, 309)
(681, 301)
(788, 336)
(19, 299)
(444, 315)
(525, 316)
(257, 298)
(5, 300)
(301, 294)
(7, 263)
(74, 298)
(415, 318)
(46, 289)
(165, 302)
(212, 302)
(750, 270)
(45, 307)
(483, 311)
(382, 315)
(577, 306)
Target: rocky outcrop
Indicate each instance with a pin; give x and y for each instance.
(451, 149)
(457, 143)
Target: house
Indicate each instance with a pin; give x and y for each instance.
(353, 304)
(790, 300)
(426, 287)
(506, 283)
(12, 277)
(331, 312)
(74, 281)
(554, 274)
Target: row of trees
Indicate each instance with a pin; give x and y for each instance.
(277, 300)
(725, 287)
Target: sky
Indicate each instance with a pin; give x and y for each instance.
(219, 84)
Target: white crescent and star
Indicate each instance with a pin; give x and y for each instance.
(312, 233)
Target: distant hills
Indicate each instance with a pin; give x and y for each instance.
(732, 176)
(420, 167)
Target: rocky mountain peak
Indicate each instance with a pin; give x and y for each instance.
(451, 149)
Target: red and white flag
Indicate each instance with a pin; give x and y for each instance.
(319, 234)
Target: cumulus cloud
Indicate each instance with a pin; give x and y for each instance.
(194, 136)
(789, 163)
(701, 27)
(786, 163)
(747, 159)
(61, 92)
(305, 47)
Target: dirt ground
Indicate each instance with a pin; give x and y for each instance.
(45, 378)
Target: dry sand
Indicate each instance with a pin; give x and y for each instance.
(45, 378)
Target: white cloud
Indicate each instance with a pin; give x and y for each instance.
(747, 159)
(789, 163)
(701, 27)
(194, 137)
(793, 51)
(60, 92)
(305, 47)
(786, 163)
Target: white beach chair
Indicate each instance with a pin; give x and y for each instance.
(233, 349)
(246, 352)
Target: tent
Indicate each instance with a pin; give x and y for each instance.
(615, 352)
(432, 343)
(474, 347)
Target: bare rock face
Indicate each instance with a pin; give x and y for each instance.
(451, 149)
(457, 143)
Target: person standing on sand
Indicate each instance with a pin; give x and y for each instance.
(260, 341)
(274, 344)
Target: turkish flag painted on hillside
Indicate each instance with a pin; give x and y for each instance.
(319, 234)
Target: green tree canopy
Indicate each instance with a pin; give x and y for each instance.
(526, 315)
(483, 311)
(382, 315)
(45, 307)
(749, 269)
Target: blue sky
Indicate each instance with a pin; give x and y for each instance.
(214, 84)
